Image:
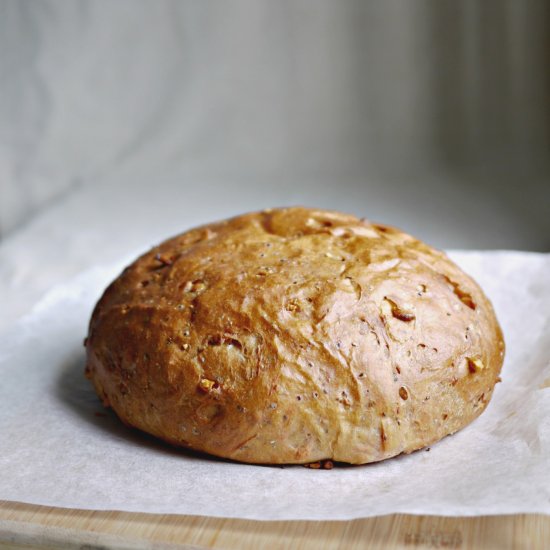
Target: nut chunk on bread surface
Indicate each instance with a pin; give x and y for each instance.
(292, 336)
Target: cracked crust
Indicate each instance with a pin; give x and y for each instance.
(294, 336)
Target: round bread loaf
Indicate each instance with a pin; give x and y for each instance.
(293, 336)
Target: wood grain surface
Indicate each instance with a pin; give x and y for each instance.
(29, 526)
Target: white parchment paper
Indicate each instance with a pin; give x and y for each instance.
(59, 447)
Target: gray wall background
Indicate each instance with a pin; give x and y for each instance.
(445, 103)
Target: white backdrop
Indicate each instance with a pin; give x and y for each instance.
(439, 108)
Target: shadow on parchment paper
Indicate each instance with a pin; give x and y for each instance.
(80, 398)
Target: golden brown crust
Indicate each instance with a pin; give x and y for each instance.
(294, 336)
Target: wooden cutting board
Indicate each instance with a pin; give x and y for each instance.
(29, 526)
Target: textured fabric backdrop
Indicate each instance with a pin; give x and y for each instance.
(445, 94)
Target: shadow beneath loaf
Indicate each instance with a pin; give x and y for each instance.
(77, 394)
